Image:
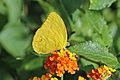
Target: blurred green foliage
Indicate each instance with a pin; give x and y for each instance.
(86, 20)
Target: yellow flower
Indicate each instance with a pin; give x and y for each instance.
(54, 78)
(112, 70)
(47, 76)
(36, 78)
(71, 55)
(81, 78)
(107, 68)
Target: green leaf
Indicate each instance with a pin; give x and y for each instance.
(14, 38)
(95, 22)
(100, 4)
(46, 6)
(76, 21)
(88, 68)
(76, 38)
(91, 25)
(3, 8)
(118, 44)
(118, 8)
(72, 5)
(14, 9)
(95, 52)
(4, 75)
(85, 62)
(113, 28)
(33, 64)
(118, 3)
(108, 14)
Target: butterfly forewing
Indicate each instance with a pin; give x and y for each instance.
(51, 36)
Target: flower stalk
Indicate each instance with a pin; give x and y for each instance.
(62, 77)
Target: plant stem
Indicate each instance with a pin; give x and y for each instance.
(62, 78)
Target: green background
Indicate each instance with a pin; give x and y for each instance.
(95, 21)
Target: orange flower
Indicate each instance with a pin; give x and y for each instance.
(61, 61)
(101, 73)
(47, 76)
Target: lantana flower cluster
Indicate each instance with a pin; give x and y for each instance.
(62, 61)
(101, 73)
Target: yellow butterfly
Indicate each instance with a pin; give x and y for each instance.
(51, 36)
